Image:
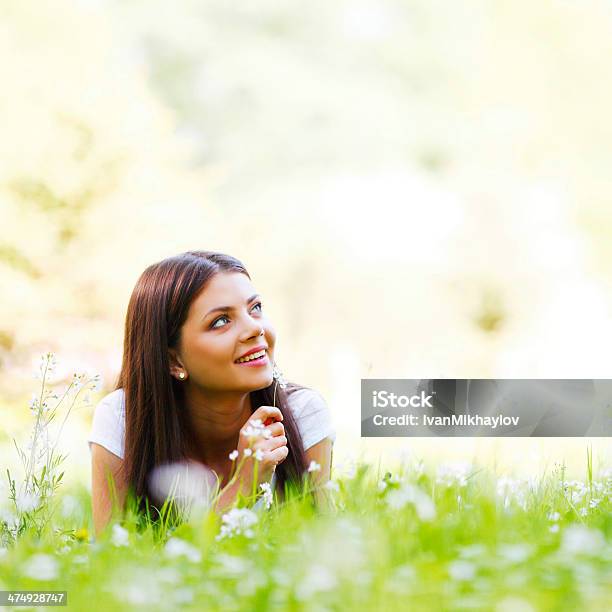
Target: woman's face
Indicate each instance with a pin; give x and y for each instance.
(223, 323)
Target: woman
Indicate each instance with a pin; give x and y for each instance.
(186, 392)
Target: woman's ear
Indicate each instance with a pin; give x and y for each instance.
(176, 365)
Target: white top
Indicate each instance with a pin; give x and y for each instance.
(309, 410)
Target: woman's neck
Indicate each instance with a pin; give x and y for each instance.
(215, 421)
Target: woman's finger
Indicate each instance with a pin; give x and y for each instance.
(278, 455)
(277, 429)
(266, 412)
(270, 444)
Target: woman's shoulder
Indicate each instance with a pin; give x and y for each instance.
(107, 427)
(304, 398)
(114, 401)
(312, 415)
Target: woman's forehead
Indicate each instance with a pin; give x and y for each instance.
(225, 289)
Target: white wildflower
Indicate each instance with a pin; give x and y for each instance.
(47, 365)
(554, 516)
(278, 376)
(256, 428)
(175, 547)
(554, 528)
(382, 484)
(318, 578)
(454, 474)
(258, 455)
(232, 565)
(578, 539)
(408, 493)
(237, 521)
(248, 452)
(121, 536)
(233, 455)
(461, 570)
(514, 604)
(515, 553)
(267, 493)
(314, 466)
(594, 502)
(26, 502)
(514, 490)
(34, 402)
(41, 567)
(331, 485)
(576, 489)
(583, 512)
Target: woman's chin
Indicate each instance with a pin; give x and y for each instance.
(268, 380)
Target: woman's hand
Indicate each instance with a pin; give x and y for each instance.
(272, 446)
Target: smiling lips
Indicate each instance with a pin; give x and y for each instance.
(254, 359)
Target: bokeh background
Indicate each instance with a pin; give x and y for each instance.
(419, 189)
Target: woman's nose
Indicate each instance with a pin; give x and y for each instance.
(253, 329)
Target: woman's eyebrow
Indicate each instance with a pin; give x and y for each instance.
(226, 308)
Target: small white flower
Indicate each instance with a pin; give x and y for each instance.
(554, 516)
(454, 474)
(583, 512)
(594, 502)
(461, 570)
(175, 547)
(278, 376)
(237, 521)
(256, 428)
(397, 498)
(554, 528)
(267, 495)
(515, 553)
(258, 455)
(314, 466)
(382, 485)
(331, 485)
(121, 536)
(41, 567)
(578, 539)
(233, 455)
(26, 502)
(248, 452)
(318, 578)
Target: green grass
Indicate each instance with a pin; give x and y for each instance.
(483, 544)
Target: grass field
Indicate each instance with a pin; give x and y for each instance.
(456, 538)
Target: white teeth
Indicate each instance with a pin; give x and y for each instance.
(251, 356)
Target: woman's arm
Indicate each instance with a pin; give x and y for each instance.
(105, 464)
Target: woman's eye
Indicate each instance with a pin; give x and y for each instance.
(215, 326)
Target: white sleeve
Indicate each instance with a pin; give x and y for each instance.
(312, 416)
(108, 425)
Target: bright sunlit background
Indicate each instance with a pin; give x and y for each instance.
(418, 189)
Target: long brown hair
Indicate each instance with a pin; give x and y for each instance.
(156, 428)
